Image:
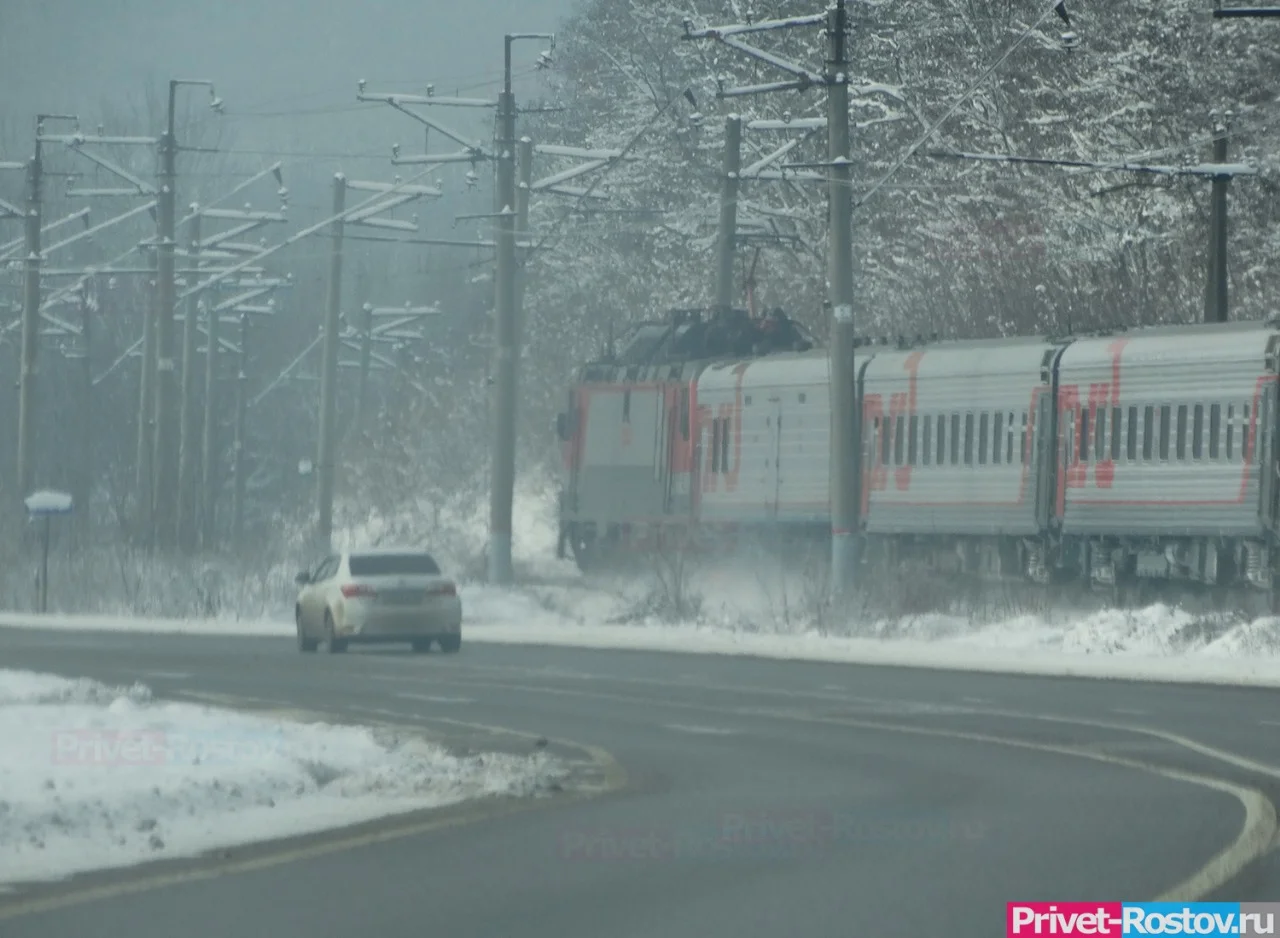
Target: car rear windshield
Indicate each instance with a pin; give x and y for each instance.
(392, 564)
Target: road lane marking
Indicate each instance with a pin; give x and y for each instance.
(701, 730)
(1254, 840)
(431, 699)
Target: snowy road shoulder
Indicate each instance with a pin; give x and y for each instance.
(94, 777)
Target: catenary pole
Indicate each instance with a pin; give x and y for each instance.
(1215, 307)
(502, 493)
(189, 499)
(844, 469)
(728, 230)
(27, 379)
(329, 372)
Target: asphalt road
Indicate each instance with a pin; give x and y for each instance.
(762, 798)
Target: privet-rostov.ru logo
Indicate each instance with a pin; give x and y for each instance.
(100, 747)
(1211, 919)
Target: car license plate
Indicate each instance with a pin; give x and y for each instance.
(402, 597)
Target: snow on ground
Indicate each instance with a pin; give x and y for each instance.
(95, 777)
(757, 608)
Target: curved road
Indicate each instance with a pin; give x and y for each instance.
(747, 797)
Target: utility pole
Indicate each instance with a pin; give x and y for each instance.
(844, 462)
(523, 191)
(329, 371)
(506, 350)
(209, 443)
(1215, 298)
(242, 382)
(728, 230)
(145, 482)
(188, 503)
(366, 357)
(30, 323)
(167, 394)
(507, 334)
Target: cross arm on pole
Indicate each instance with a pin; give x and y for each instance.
(719, 32)
(143, 187)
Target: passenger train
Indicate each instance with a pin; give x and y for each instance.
(1106, 459)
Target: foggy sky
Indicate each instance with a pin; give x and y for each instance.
(286, 69)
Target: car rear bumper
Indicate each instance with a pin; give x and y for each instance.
(369, 622)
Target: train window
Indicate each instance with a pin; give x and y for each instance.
(968, 439)
(1165, 426)
(1215, 424)
(983, 447)
(912, 433)
(801, 398)
(1116, 413)
(1100, 435)
(942, 439)
(1084, 434)
(1069, 439)
(1132, 434)
(1245, 429)
(876, 452)
(1197, 432)
(626, 406)
(899, 438)
(1231, 432)
(724, 445)
(884, 442)
(927, 439)
(997, 439)
(715, 445)
(684, 413)
(1182, 432)
(747, 401)
(1008, 456)
(955, 439)
(1022, 446)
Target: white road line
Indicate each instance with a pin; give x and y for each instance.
(700, 730)
(433, 699)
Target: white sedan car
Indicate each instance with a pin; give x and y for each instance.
(378, 596)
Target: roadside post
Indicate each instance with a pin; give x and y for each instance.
(44, 505)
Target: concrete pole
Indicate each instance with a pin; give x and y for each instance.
(523, 192)
(188, 500)
(86, 474)
(146, 417)
(165, 460)
(209, 443)
(329, 373)
(1215, 298)
(30, 327)
(366, 359)
(506, 347)
(844, 419)
(728, 230)
(242, 403)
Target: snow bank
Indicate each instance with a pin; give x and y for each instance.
(95, 777)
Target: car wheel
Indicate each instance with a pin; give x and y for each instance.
(336, 645)
(422, 645)
(450, 644)
(304, 643)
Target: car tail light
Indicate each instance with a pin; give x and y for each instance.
(447, 590)
(358, 591)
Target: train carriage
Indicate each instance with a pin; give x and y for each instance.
(764, 439)
(1165, 447)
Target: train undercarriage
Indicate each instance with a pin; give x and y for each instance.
(921, 573)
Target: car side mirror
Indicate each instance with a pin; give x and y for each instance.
(303, 578)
